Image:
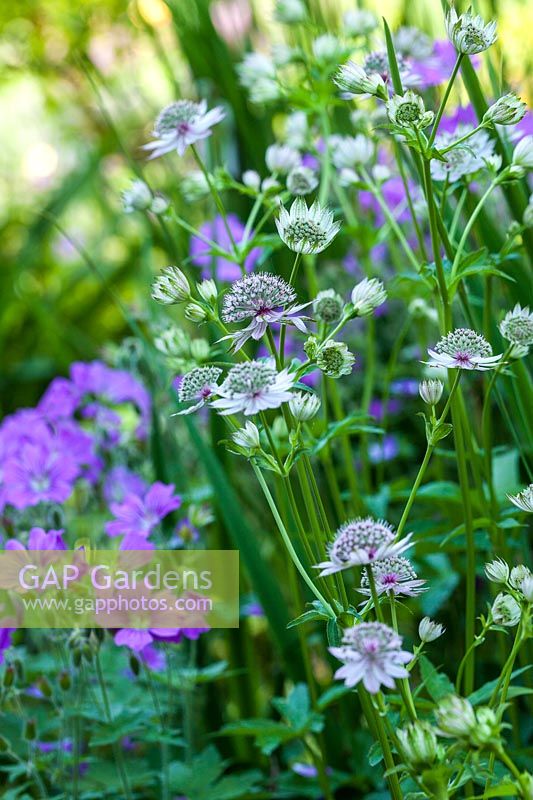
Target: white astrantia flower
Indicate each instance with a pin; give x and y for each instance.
(282, 158)
(368, 295)
(455, 717)
(255, 67)
(372, 653)
(248, 436)
(359, 22)
(463, 349)
(194, 185)
(468, 32)
(431, 391)
(328, 49)
(334, 359)
(290, 11)
(328, 306)
(517, 326)
(254, 386)
(428, 630)
(181, 124)
(304, 406)
(412, 42)
(507, 110)
(352, 80)
(362, 541)
(523, 153)
(296, 129)
(466, 159)
(497, 571)
(198, 386)
(265, 299)
(137, 197)
(518, 574)
(307, 230)
(302, 181)
(251, 179)
(264, 90)
(171, 286)
(393, 576)
(350, 151)
(408, 111)
(524, 499)
(377, 63)
(506, 611)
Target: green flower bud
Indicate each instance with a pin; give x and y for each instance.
(30, 731)
(64, 680)
(419, 742)
(328, 306)
(334, 359)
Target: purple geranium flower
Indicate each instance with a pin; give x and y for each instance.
(5, 641)
(140, 515)
(222, 268)
(39, 473)
(39, 539)
(60, 400)
(138, 640)
(120, 481)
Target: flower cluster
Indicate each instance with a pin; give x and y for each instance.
(463, 349)
(371, 653)
(362, 541)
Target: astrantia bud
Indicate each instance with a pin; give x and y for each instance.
(431, 391)
(523, 153)
(251, 179)
(328, 306)
(301, 181)
(304, 406)
(311, 348)
(282, 158)
(506, 611)
(159, 204)
(335, 360)
(518, 574)
(523, 500)
(497, 571)
(195, 313)
(408, 111)
(207, 290)
(419, 744)
(455, 717)
(429, 630)
(247, 437)
(352, 80)
(526, 587)
(507, 110)
(194, 186)
(517, 326)
(137, 198)
(171, 286)
(367, 296)
(487, 729)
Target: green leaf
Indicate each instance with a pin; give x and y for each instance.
(331, 695)
(483, 694)
(375, 754)
(334, 633)
(437, 684)
(393, 63)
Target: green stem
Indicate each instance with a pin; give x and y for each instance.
(444, 100)
(119, 758)
(469, 225)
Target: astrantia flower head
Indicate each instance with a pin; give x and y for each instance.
(429, 630)
(518, 574)
(290, 11)
(351, 151)
(524, 499)
(523, 153)
(137, 198)
(304, 406)
(506, 611)
(181, 124)
(198, 386)
(359, 22)
(455, 717)
(171, 286)
(526, 587)
(328, 306)
(465, 159)
(306, 230)
(497, 571)
(419, 744)
(282, 158)
(372, 653)
(517, 326)
(507, 110)
(328, 49)
(254, 67)
(367, 296)
(252, 387)
(468, 32)
(394, 576)
(463, 349)
(247, 437)
(334, 359)
(352, 80)
(362, 541)
(301, 181)
(264, 298)
(377, 63)
(408, 111)
(431, 391)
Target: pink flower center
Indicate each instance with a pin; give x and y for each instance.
(390, 580)
(462, 358)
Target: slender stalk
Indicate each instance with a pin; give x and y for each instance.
(470, 224)
(444, 100)
(119, 758)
